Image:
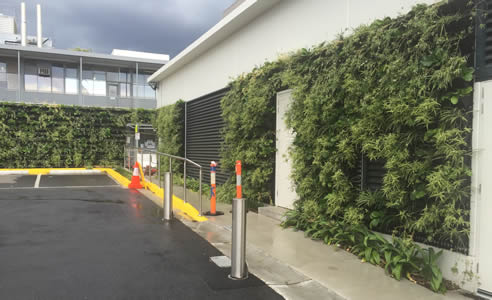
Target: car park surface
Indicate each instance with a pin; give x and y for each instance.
(83, 237)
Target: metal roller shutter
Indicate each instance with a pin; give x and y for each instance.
(203, 134)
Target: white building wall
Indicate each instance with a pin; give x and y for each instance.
(287, 26)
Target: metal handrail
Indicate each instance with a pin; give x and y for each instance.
(185, 160)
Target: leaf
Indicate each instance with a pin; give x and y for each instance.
(374, 223)
(468, 74)
(427, 61)
(387, 256)
(367, 254)
(420, 194)
(454, 100)
(376, 259)
(396, 271)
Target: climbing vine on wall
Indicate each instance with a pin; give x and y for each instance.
(170, 130)
(398, 91)
(64, 136)
(248, 110)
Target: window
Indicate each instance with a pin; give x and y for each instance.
(99, 84)
(57, 79)
(113, 76)
(12, 81)
(44, 81)
(31, 78)
(87, 82)
(71, 81)
(149, 92)
(124, 77)
(3, 75)
(112, 91)
(12, 76)
(124, 90)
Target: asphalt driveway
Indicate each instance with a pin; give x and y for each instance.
(100, 241)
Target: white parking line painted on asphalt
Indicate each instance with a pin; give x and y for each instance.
(38, 179)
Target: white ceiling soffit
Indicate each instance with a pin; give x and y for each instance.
(238, 18)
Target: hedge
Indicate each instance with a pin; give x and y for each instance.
(35, 136)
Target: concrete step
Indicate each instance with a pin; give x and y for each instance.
(275, 212)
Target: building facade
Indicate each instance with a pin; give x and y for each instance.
(46, 75)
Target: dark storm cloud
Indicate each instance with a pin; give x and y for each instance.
(163, 26)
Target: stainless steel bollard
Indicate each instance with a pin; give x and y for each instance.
(239, 270)
(168, 196)
(150, 167)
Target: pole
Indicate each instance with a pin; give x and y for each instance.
(200, 191)
(239, 269)
(213, 168)
(150, 166)
(142, 163)
(184, 181)
(159, 169)
(168, 196)
(213, 192)
(185, 148)
(239, 188)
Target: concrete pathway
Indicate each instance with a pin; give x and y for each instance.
(324, 269)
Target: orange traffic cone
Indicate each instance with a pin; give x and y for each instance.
(135, 184)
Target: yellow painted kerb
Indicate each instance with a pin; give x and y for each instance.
(178, 203)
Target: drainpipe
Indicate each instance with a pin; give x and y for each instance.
(81, 100)
(18, 77)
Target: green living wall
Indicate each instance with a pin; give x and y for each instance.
(35, 136)
(170, 130)
(397, 91)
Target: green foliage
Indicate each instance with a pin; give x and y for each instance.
(64, 136)
(393, 91)
(170, 130)
(248, 110)
(81, 49)
(400, 258)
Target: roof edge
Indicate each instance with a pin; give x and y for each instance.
(81, 54)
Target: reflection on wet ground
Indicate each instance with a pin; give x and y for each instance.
(105, 243)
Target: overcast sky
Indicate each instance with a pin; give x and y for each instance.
(161, 26)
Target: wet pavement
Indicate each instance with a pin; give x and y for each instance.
(104, 243)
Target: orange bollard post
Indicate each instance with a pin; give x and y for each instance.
(239, 188)
(213, 200)
(213, 192)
